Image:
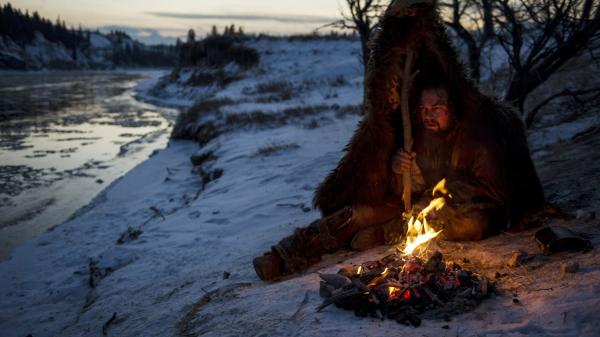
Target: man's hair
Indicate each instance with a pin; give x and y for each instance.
(431, 79)
(434, 85)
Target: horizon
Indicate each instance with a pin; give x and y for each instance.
(157, 22)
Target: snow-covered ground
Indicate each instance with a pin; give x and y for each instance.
(78, 281)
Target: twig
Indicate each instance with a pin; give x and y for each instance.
(111, 320)
(304, 301)
(566, 92)
(157, 212)
(543, 289)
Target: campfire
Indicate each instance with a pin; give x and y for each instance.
(411, 283)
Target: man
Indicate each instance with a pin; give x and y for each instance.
(476, 143)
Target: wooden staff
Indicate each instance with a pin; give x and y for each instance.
(408, 140)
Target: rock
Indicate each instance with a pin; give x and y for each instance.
(517, 258)
(335, 280)
(570, 267)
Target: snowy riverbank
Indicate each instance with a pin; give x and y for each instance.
(66, 136)
(177, 243)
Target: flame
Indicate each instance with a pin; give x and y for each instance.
(359, 270)
(419, 232)
(393, 292)
(440, 187)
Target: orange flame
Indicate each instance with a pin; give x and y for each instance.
(419, 232)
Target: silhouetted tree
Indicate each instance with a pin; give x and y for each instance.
(191, 36)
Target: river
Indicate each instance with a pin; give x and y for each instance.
(64, 137)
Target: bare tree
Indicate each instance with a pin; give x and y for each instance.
(472, 21)
(362, 17)
(538, 38)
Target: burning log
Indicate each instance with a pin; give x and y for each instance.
(404, 288)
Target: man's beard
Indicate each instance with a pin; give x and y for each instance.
(437, 148)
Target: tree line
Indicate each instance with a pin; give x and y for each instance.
(21, 27)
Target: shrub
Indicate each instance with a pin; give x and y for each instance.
(217, 51)
(272, 149)
(185, 126)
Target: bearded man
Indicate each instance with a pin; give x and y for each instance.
(475, 142)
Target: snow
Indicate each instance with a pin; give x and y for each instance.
(170, 280)
(99, 41)
(544, 138)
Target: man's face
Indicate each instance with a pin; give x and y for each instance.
(433, 109)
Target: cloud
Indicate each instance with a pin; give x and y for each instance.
(247, 17)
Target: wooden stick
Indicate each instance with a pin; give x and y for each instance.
(408, 140)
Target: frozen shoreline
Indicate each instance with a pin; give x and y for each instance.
(88, 130)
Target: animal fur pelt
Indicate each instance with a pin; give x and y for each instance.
(363, 176)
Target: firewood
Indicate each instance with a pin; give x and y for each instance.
(338, 297)
(325, 289)
(335, 280)
(402, 288)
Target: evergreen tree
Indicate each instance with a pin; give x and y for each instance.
(191, 36)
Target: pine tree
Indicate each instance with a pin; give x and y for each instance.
(191, 36)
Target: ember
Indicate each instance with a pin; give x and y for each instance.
(405, 285)
(404, 288)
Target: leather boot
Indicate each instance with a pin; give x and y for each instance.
(305, 247)
(268, 267)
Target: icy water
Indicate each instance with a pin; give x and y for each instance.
(63, 138)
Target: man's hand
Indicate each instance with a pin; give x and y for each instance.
(402, 161)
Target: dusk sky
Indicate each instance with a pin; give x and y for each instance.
(153, 20)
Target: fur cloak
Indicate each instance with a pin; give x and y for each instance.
(363, 176)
